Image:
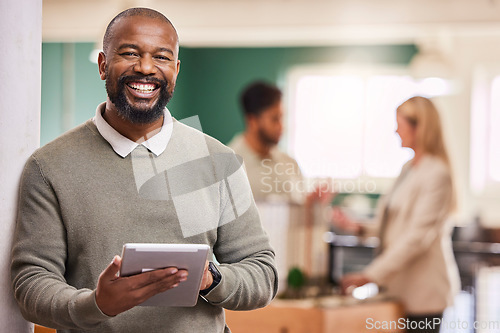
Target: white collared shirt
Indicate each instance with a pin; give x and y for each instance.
(272, 178)
(124, 146)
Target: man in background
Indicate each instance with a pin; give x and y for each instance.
(272, 173)
(290, 212)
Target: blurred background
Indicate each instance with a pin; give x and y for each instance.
(344, 66)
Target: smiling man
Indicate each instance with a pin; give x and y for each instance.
(133, 174)
(140, 65)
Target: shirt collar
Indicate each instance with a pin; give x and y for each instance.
(124, 146)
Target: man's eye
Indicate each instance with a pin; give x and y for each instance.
(128, 54)
(163, 58)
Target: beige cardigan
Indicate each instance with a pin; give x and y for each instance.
(417, 265)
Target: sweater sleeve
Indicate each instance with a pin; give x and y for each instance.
(425, 224)
(38, 260)
(249, 276)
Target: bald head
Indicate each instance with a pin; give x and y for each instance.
(144, 12)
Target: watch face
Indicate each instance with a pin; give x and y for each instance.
(215, 272)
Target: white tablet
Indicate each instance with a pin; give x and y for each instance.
(142, 257)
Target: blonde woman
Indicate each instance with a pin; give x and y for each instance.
(415, 261)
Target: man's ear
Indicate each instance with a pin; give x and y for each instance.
(101, 62)
(251, 121)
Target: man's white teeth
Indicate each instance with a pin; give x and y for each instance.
(142, 87)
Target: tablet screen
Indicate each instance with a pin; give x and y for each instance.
(142, 257)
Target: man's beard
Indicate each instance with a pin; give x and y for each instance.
(133, 114)
(266, 139)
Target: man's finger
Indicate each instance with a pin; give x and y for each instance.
(165, 275)
(159, 285)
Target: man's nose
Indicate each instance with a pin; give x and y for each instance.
(145, 65)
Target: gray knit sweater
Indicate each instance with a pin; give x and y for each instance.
(80, 202)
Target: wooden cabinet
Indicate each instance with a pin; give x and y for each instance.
(294, 317)
(303, 317)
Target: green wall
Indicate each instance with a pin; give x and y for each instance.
(71, 88)
(51, 119)
(89, 87)
(208, 85)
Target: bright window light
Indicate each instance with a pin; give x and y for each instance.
(434, 86)
(343, 126)
(329, 118)
(485, 137)
(494, 135)
(479, 131)
(383, 155)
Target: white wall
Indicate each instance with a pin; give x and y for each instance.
(466, 54)
(20, 68)
(279, 22)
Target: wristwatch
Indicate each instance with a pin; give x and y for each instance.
(216, 275)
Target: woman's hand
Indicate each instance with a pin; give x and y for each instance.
(351, 281)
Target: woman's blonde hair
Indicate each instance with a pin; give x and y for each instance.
(421, 113)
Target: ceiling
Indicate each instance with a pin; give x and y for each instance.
(285, 22)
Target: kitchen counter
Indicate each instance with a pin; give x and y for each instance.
(333, 314)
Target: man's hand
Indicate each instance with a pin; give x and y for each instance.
(323, 193)
(115, 295)
(207, 279)
(342, 221)
(351, 281)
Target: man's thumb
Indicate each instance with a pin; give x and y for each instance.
(113, 268)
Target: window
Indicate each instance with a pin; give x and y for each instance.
(341, 122)
(485, 140)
